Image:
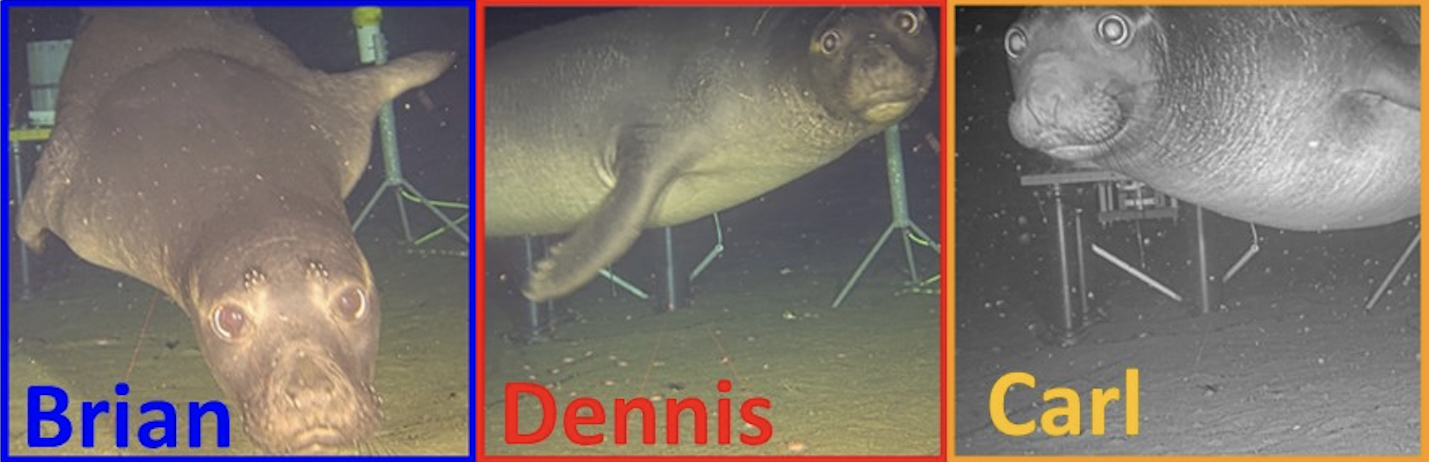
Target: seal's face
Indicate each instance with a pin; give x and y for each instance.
(289, 328)
(873, 64)
(1082, 77)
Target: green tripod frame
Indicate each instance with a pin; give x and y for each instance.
(898, 196)
(372, 47)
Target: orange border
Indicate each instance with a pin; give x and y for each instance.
(951, 203)
(948, 237)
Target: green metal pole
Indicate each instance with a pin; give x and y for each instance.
(898, 198)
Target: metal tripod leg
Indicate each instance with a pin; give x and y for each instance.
(675, 287)
(1414, 243)
(396, 185)
(26, 289)
(898, 197)
(373, 47)
(533, 331)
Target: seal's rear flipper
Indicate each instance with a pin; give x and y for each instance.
(1393, 74)
(33, 221)
(30, 232)
(607, 233)
(377, 85)
(362, 93)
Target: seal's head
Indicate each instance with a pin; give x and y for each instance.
(1082, 77)
(873, 65)
(288, 322)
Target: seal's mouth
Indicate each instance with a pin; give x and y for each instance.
(886, 105)
(323, 440)
(309, 404)
(885, 112)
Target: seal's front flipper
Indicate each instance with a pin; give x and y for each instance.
(1393, 74)
(1388, 56)
(640, 179)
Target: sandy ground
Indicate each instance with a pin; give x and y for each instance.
(860, 379)
(1285, 366)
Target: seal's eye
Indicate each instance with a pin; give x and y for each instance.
(229, 320)
(829, 42)
(352, 304)
(1114, 29)
(1016, 42)
(908, 22)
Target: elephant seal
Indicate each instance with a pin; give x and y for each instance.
(609, 124)
(195, 153)
(1297, 118)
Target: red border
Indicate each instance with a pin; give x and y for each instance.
(480, 255)
(945, 235)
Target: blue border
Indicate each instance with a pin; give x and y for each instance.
(5, 225)
(473, 252)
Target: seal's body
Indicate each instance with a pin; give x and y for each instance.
(194, 152)
(652, 117)
(1298, 118)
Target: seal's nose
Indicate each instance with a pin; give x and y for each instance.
(1033, 117)
(1057, 108)
(310, 387)
(312, 406)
